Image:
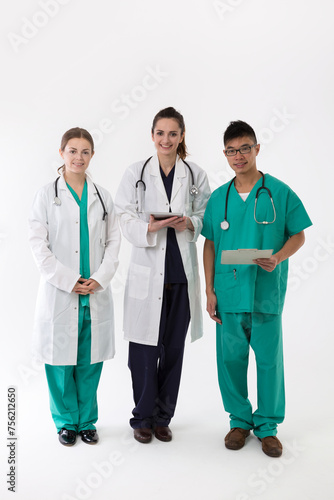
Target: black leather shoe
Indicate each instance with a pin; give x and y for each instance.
(89, 436)
(67, 437)
(163, 433)
(143, 435)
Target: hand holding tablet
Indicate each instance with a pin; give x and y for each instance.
(165, 215)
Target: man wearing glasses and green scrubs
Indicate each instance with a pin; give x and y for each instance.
(253, 211)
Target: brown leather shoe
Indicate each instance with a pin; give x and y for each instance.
(143, 435)
(272, 446)
(163, 433)
(236, 438)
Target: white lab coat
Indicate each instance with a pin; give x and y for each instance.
(54, 235)
(145, 281)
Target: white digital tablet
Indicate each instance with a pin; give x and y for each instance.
(166, 215)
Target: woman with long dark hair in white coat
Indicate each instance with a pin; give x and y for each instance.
(75, 238)
(162, 292)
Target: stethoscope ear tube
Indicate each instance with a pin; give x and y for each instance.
(140, 181)
(57, 200)
(193, 189)
(265, 222)
(225, 224)
(105, 213)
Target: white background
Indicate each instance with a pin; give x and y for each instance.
(80, 63)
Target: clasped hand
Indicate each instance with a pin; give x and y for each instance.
(85, 286)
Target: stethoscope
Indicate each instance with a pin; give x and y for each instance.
(193, 189)
(57, 200)
(225, 224)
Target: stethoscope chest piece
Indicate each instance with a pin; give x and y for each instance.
(224, 225)
(193, 190)
(57, 201)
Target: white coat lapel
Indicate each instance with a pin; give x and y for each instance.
(92, 194)
(154, 170)
(63, 189)
(179, 175)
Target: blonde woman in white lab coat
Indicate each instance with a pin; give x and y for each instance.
(162, 292)
(75, 238)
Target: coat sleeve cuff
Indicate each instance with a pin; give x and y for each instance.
(192, 236)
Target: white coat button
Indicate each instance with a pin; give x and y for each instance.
(76, 251)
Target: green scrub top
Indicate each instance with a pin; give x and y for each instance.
(84, 239)
(249, 288)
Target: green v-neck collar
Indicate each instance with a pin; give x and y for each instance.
(251, 195)
(76, 197)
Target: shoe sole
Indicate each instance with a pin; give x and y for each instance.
(230, 447)
(271, 454)
(163, 439)
(67, 444)
(143, 442)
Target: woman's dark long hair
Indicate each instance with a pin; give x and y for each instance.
(175, 115)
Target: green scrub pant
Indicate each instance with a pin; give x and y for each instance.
(72, 389)
(263, 332)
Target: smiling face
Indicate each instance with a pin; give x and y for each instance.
(77, 155)
(242, 163)
(167, 136)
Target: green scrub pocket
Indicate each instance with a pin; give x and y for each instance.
(227, 289)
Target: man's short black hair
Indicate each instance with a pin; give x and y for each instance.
(239, 129)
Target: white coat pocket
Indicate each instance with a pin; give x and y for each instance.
(138, 281)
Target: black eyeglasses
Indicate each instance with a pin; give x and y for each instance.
(243, 150)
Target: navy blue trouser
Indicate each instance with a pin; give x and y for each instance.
(156, 370)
